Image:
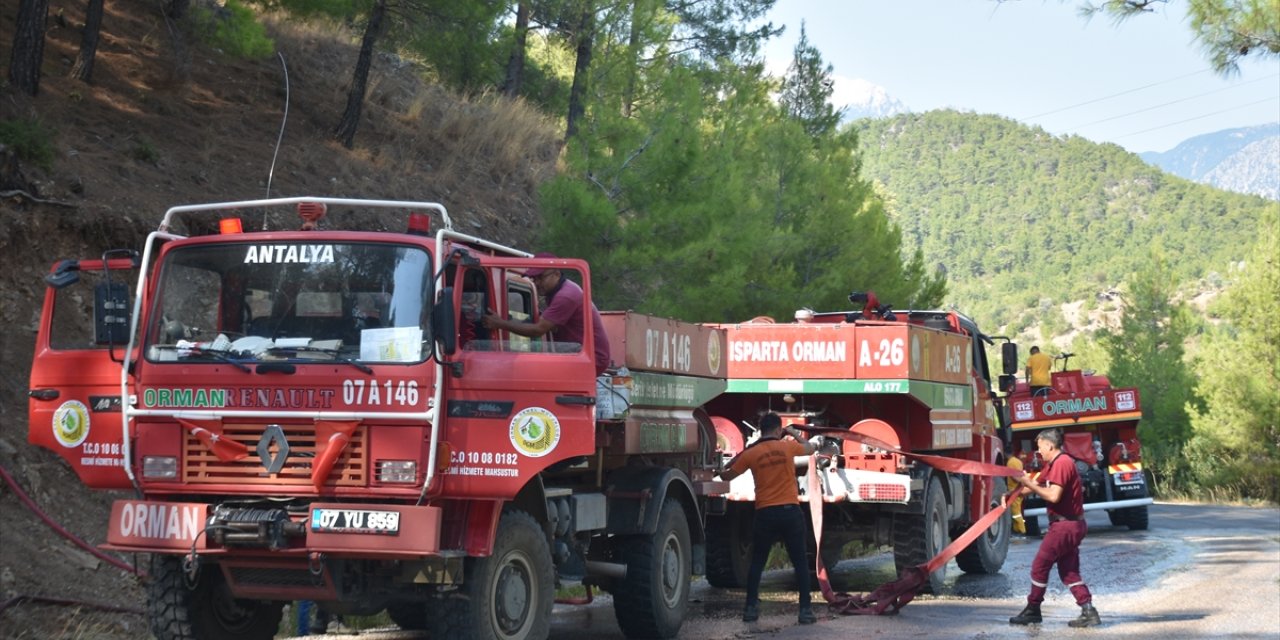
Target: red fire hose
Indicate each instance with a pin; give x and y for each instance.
(892, 596)
(26, 500)
(30, 504)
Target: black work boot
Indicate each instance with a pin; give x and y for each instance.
(751, 613)
(1029, 615)
(1088, 617)
(806, 615)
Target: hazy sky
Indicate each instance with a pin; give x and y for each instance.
(1146, 84)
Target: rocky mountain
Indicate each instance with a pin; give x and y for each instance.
(862, 99)
(1244, 160)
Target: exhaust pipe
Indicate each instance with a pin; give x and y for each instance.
(607, 569)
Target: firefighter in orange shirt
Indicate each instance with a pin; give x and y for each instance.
(778, 515)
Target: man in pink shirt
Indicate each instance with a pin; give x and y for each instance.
(562, 317)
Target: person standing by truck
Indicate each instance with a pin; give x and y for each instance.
(1063, 494)
(1038, 377)
(778, 515)
(562, 317)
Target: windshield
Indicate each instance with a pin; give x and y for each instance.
(292, 301)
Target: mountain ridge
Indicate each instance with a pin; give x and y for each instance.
(1023, 221)
(1241, 159)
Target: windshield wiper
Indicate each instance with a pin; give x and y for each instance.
(330, 352)
(216, 354)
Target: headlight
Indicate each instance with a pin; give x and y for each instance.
(160, 467)
(397, 471)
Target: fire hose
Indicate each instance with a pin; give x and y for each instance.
(890, 597)
(34, 508)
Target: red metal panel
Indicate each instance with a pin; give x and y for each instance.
(646, 343)
(882, 352)
(157, 525)
(791, 351)
(938, 356)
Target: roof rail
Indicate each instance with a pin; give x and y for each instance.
(278, 202)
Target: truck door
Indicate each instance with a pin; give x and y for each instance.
(73, 407)
(521, 404)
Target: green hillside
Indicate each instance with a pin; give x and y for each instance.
(1016, 215)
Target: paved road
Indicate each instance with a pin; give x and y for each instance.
(1199, 571)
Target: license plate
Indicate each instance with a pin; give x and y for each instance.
(355, 521)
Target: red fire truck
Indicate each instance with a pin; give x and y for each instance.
(917, 381)
(1099, 425)
(319, 414)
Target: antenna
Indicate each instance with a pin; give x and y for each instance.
(284, 119)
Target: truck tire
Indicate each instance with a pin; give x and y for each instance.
(507, 595)
(917, 538)
(729, 547)
(207, 612)
(987, 553)
(651, 602)
(1136, 518)
(410, 616)
(1117, 517)
(832, 553)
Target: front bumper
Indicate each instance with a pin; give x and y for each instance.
(362, 531)
(1094, 506)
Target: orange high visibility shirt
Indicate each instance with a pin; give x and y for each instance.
(772, 465)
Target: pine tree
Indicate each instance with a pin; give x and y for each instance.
(1237, 433)
(807, 88)
(1147, 352)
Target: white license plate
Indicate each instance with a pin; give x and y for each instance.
(355, 521)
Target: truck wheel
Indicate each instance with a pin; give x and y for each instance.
(729, 547)
(1136, 518)
(410, 616)
(917, 538)
(986, 554)
(1117, 517)
(207, 612)
(832, 553)
(652, 600)
(507, 595)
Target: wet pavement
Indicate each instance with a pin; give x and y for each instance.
(1201, 570)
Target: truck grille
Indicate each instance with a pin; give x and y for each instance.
(200, 466)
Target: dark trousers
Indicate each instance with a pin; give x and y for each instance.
(1061, 546)
(785, 523)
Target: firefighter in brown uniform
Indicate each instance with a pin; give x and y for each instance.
(1059, 485)
(778, 515)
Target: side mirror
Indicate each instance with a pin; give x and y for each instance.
(64, 274)
(111, 313)
(1008, 382)
(443, 329)
(1009, 358)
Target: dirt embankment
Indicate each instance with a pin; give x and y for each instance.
(169, 121)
